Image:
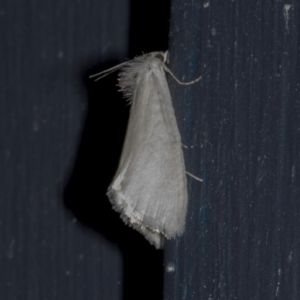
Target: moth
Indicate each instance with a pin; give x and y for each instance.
(149, 189)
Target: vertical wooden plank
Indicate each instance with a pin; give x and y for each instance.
(241, 126)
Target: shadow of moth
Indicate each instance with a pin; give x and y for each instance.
(149, 189)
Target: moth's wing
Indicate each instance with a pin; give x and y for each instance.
(149, 188)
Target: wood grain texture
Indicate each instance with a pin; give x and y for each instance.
(241, 126)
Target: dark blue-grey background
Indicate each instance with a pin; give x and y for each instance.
(61, 137)
(242, 126)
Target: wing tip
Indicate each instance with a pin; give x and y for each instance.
(155, 237)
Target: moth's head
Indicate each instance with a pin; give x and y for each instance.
(163, 56)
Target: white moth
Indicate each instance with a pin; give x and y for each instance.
(149, 189)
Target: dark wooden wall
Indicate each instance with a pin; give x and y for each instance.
(61, 136)
(242, 125)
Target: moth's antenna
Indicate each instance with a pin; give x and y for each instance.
(181, 82)
(193, 176)
(108, 71)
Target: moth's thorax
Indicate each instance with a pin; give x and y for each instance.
(155, 65)
(153, 62)
(141, 69)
